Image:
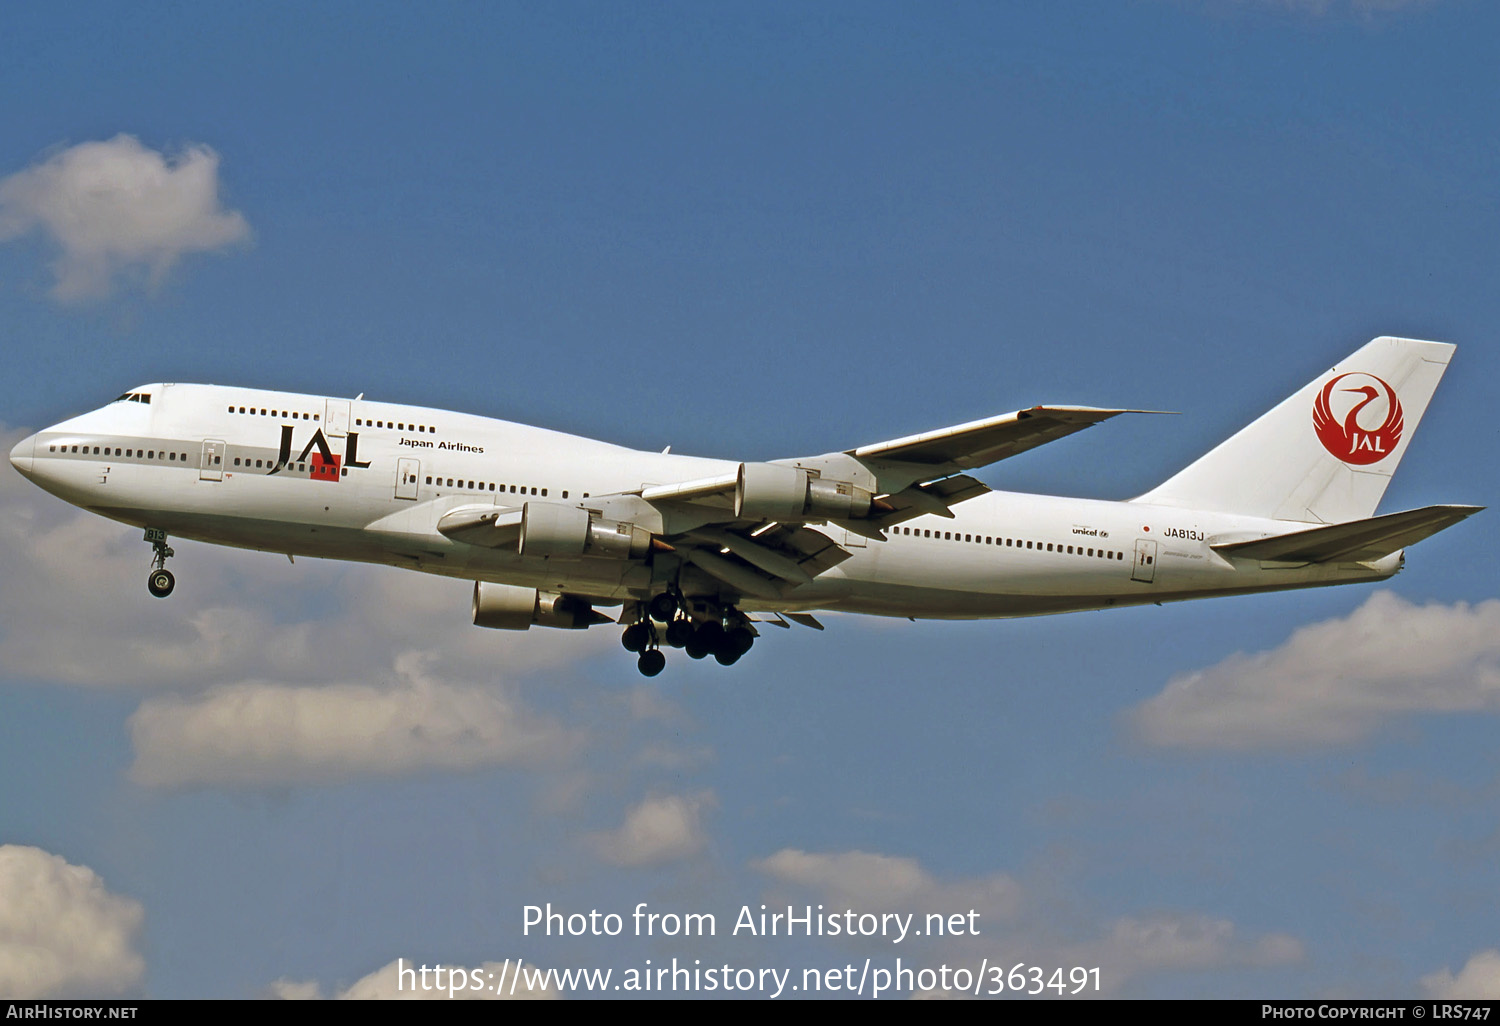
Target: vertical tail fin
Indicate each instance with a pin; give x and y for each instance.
(1326, 454)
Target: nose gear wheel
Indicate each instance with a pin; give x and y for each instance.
(160, 581)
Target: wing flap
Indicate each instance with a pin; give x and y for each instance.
(929, 497)
(1355, 541)
(737, 575)
(790, 553)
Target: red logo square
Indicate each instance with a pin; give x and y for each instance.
(322, 470)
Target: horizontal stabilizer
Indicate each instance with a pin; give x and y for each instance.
(1355, 542)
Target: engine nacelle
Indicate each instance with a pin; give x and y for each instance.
(770, 491)
(515, 609)
(552, 529)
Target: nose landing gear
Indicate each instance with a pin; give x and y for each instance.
(160, 581)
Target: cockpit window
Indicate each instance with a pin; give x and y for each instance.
(135, 397)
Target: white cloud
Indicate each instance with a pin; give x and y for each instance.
(117, 206)
(269, 734)
(62, 934)
(1133, 945)
(868, 882)
(402, 980)
(1015, 925)
(1336, 681)
(656, 830)
(296, 990)
(1478, 980)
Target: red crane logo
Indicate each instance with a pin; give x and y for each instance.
(1352, 440)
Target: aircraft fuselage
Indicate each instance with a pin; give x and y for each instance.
(368, 481)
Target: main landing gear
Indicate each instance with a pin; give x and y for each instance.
(722, 632)
(641, 637)
(160, 581)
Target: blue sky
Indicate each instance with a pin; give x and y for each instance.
(754, 231)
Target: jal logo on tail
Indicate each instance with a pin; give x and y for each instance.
(1358, 418)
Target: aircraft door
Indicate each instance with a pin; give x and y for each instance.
(1145, 561)
(211, 463)
(407, 478)
(336, 421)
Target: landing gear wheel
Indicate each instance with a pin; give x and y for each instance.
(651, 662)
(160, 583)
(663, 607)
(732, 644)
(636, 637)
(704, 639)
(678, 633)
(742, 638)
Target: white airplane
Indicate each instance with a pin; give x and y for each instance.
(698, 552)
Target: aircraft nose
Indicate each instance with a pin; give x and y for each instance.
(20, 456)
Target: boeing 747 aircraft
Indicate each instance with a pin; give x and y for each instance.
(701, 554)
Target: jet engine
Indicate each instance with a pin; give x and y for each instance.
(515, 609)
(770, 491)
(552, 529)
